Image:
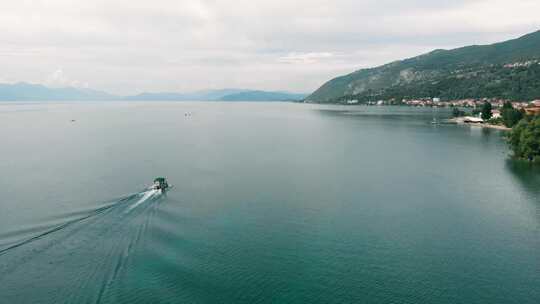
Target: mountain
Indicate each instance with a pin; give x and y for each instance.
(35, 92)
(509, 69)
(208, 95)
(220, 95)
(156, 97)
(263, 96)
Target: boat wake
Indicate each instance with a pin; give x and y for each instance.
(145, 196)
(90, 251)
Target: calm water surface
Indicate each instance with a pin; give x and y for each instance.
(272, 203)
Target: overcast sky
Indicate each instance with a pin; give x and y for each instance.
(130, 46)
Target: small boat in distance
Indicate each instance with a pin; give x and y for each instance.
(160, 183)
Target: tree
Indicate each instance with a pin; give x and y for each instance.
(456, 112)
(510, 116)
(486, 111)
(524, 139)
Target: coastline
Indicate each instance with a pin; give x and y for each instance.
(461, 121)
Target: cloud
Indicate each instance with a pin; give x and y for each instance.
(59, 79)
(127, 46)
(305, 58)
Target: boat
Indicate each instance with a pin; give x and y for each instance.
(434, 121)
(160, 183)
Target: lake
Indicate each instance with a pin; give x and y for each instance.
(272, 203)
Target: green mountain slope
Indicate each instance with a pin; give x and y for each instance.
(468, 72)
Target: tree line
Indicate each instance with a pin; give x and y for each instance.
(524, 138)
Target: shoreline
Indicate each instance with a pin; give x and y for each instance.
(460, 121)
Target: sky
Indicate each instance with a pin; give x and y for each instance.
(133, 46)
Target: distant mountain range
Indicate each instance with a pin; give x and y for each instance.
(262, 96)
(221, 95)
(211, 95)
(509, 70)
(36, 92)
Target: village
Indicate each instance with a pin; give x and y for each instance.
(463, 117)
(530, 108)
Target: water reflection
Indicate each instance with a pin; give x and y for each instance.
(389, 115)
(527, 174)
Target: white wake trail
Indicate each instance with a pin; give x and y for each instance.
(148, 194)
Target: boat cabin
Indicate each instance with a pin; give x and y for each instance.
(160, 183)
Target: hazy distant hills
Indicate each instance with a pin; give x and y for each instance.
(209, 95)
(221, 95)
(36, 92)
(508, 69)
(263, 96)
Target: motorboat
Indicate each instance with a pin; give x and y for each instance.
(160, 183)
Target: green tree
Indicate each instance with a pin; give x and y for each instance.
(510, 116)
(456, 112)
(524, 139)
(486, 111)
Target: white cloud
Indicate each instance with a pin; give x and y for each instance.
(305, 58)
(59, 79)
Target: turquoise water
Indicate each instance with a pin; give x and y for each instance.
(272, 203)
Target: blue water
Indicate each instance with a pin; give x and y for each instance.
(272, 203)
